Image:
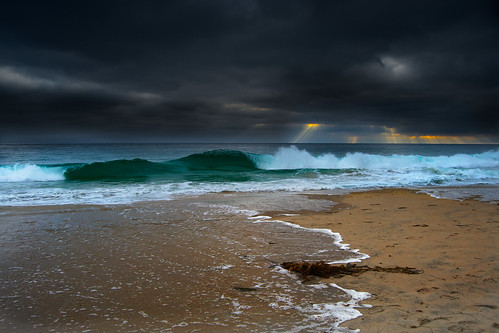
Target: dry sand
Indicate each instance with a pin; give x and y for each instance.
(456, 243)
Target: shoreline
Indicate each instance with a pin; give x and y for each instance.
(454, 242)
(194, 264)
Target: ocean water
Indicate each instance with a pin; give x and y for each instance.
(95, 174)
(170, 237)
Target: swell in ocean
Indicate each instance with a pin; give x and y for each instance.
(288, 169)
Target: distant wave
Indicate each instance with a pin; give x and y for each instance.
(233, 165)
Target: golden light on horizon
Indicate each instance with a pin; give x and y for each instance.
(306, 133)
(447, 139)
(392, 136)
(353, 139)
(378, 134)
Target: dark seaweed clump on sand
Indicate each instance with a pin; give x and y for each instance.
(324, 270)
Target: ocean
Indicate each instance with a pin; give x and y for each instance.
(174, 237)
(122, 173)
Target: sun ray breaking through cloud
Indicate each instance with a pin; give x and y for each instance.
(306, 133)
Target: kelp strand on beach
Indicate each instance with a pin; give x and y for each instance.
(324, 270)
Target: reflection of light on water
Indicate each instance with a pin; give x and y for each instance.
(306, 133)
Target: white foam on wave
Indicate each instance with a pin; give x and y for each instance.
(19, 193)
(30, 172)
(292, 158)
(360, 171)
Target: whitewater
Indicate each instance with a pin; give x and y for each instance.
(195, 170)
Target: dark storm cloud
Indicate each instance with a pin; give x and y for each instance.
(247, 70)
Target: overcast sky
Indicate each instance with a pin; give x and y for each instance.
(249, 71)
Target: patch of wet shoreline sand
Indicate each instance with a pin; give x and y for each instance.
(454, 242)
(196, 264)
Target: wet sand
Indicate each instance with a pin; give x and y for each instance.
(119, 268)
(454, 242)
(197, 264)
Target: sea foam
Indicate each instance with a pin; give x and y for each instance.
(287, 169)
(293, 158)
(30, 172)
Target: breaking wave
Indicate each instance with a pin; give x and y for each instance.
(294, 158)
(30, 172)
(287, 163)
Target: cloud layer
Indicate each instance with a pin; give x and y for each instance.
(248, 70)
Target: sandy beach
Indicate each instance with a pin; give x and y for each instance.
(454, 242)
(187, 265)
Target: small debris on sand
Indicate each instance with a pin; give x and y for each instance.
(324, 270)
